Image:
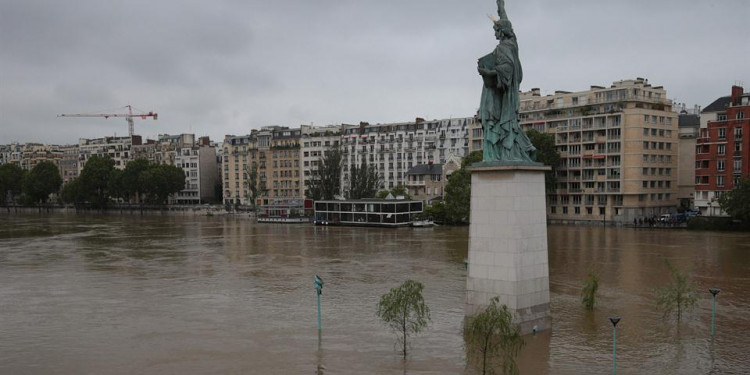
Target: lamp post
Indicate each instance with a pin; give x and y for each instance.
(709, 208)
(714, 292)
(614, 319)
(319, 291)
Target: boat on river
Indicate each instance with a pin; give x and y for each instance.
(423, 224)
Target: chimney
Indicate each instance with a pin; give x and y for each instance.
(736, 94)
(419, 120)
(535, 91)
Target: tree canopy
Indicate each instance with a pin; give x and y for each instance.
(736, 203)
(546, 154)
(325, 182)
(41, 181)
(11, 181)
(94, 180)
(364, 181)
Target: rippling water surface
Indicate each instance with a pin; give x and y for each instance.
(221, 295)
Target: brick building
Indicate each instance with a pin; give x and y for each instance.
(723, 150)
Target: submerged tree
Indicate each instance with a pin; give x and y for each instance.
(43, 180)
(736, 202)
(588, 292)
(11, 181)
(491, 333)
(677, 296)
(404, 310)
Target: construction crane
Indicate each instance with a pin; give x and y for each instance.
(128, 116)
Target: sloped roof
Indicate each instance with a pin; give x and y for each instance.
(422, 169)
(686, 120)
(718, 105)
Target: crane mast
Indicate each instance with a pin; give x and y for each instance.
(128, 116)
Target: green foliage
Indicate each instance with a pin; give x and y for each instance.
(94, 180)
(325, 182)
(404, 310)
(547, 154)
(41, 181)
(677, 296)
(129, 184)
(471, 158)
(114, 185)
(491, 333)
(11, 181)
(72, 192)
(590, 287)
(382, 194)
(457, 201)
(364, 181)
(159, 181)
(736, 203)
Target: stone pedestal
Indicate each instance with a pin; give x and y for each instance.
(508, 242)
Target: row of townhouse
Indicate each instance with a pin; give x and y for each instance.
(198, 159)
(278, 162)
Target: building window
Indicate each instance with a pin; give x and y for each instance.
(720, 181)
(553, 210)
(740, 115)
(722, 149)
(720, 165)
(722, 133)
(577, 210)
(737, 165)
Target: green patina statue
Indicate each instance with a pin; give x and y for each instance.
(504, 141)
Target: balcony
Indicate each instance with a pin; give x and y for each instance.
(415, 183)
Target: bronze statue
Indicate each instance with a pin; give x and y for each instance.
(504, 141)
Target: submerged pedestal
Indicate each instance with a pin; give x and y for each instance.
(508, 243)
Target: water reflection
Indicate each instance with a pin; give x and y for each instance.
(112, 294)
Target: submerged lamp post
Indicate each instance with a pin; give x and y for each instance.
(714, 292)
(319, 291)
(614, 319)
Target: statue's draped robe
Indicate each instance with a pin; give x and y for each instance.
(503, 138)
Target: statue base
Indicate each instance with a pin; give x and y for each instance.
(508, 242)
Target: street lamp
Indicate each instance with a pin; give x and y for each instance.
(319, 291)
(614, 319)
(714, 292)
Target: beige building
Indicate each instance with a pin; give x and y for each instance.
(619, 148)
(689, 128)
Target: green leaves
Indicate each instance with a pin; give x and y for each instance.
(491, 333)
(547, 154)
(404, 310)
(364, 181)
(43, 180)
(325, 183)
(737, 202)
(11, 181)
(588, 292)
(677, 296)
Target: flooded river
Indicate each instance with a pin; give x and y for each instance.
(91, 294)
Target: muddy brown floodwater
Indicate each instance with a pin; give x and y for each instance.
(109, 294)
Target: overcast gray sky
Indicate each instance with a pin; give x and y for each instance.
(227, 66)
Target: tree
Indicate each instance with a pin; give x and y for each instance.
(492, 333)
(43, 180)
(130, 181)
(115, 184)
(94, 180)
(588, 292)
(546, 154)
(400, 189)
(72, 193)
(458, 191)
(677, 296)
(736, 203)
(159, 181)
(404, 310)
(364, 181)
(325, 182)
(11, 181)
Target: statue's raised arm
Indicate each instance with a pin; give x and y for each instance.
(501, 10)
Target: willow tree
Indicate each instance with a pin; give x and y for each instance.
(404, 310)
(492, 334)
(679, 295)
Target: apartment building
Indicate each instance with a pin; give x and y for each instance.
(722, 151)
(11, 154)
(264, 163)
(619, 148)
(117, 148)
(69, 162)
(35, 153)
(314, 142)
(394, 148)
(688, 130)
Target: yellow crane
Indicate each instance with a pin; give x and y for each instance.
(128, 116)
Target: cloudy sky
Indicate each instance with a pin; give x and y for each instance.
(227, 66)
